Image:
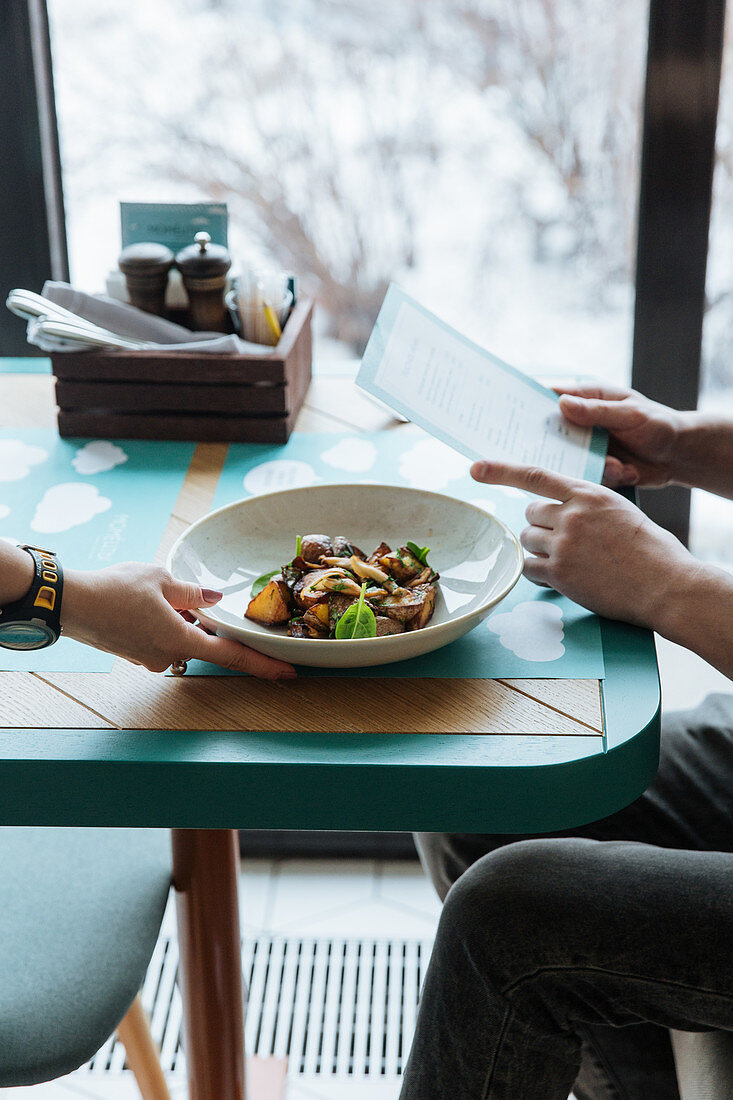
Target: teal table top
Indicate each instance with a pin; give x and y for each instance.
(469, 782)
(466, 783)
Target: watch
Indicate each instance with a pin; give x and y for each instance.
(34, 621)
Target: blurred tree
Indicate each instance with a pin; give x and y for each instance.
(359, 142)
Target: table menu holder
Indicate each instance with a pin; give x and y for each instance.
(185, 395)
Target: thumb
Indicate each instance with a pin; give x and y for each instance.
(185, 596)
(617, 416)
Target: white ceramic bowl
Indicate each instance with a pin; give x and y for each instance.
(477, 556)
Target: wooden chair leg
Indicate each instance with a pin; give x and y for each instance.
(143, 1057)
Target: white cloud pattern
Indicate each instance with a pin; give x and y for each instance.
(17, 457)
(280, 473)
(98, 457)
(532, 630)
(352, 454)
(431, 464)
(4, 511)
(68, 505)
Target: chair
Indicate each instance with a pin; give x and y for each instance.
(704, 1064)
(80, 912)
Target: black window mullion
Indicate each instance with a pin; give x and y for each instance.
(32, 227)
(678, 152)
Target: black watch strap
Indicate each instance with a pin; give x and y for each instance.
(42, 602)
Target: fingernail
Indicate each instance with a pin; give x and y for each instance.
(567, 399)
(210, 595)
(287, 675)
(630, 475)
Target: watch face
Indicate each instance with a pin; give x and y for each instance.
(25, 635)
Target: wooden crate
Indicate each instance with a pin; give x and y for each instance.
(185, 395)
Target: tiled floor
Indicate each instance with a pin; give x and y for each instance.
(354, 899)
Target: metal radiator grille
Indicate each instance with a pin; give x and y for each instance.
(331, 1006)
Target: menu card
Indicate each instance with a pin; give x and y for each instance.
(458, 392)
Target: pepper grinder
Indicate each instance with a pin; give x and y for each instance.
(204, 267)
(145, 267)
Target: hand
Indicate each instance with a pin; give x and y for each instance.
(643, 433)
(132, 610)
(596, 547)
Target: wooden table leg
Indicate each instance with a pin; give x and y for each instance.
(205, 876)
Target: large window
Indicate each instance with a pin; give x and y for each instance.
(483, 153)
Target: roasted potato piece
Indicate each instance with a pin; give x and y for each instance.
(375, 555)
(402, 564)
(272, 606)
(387, 626)
(409, 604)
(314, 547)
(318, 615)
(315, 621)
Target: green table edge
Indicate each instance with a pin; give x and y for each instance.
(430, 782)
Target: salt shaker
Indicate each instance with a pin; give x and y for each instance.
(204, 268)
(145, 267)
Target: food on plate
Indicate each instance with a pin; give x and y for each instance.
(332, 589)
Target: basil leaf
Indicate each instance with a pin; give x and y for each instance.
(357, 621)
(263, 581)
(420, 552)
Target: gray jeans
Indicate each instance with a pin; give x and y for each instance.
(560, 962)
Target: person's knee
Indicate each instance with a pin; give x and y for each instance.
(512, 908)
(446, 856)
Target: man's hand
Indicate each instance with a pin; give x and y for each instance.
(595, 547)
(644, 434)
(140, 612)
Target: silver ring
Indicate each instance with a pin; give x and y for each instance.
(178, 668)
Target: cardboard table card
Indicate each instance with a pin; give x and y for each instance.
(468, 398)
(173, 224)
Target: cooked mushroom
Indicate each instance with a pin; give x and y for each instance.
(313, 547)
(370, 572)
(375, 555)
(337, 580)
(305, 591)
(336, 606)
(345, 549)
(426, 577)
(408, 605)
(376, 594)
(427, 609)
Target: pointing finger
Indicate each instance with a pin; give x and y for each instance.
(533, 479)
